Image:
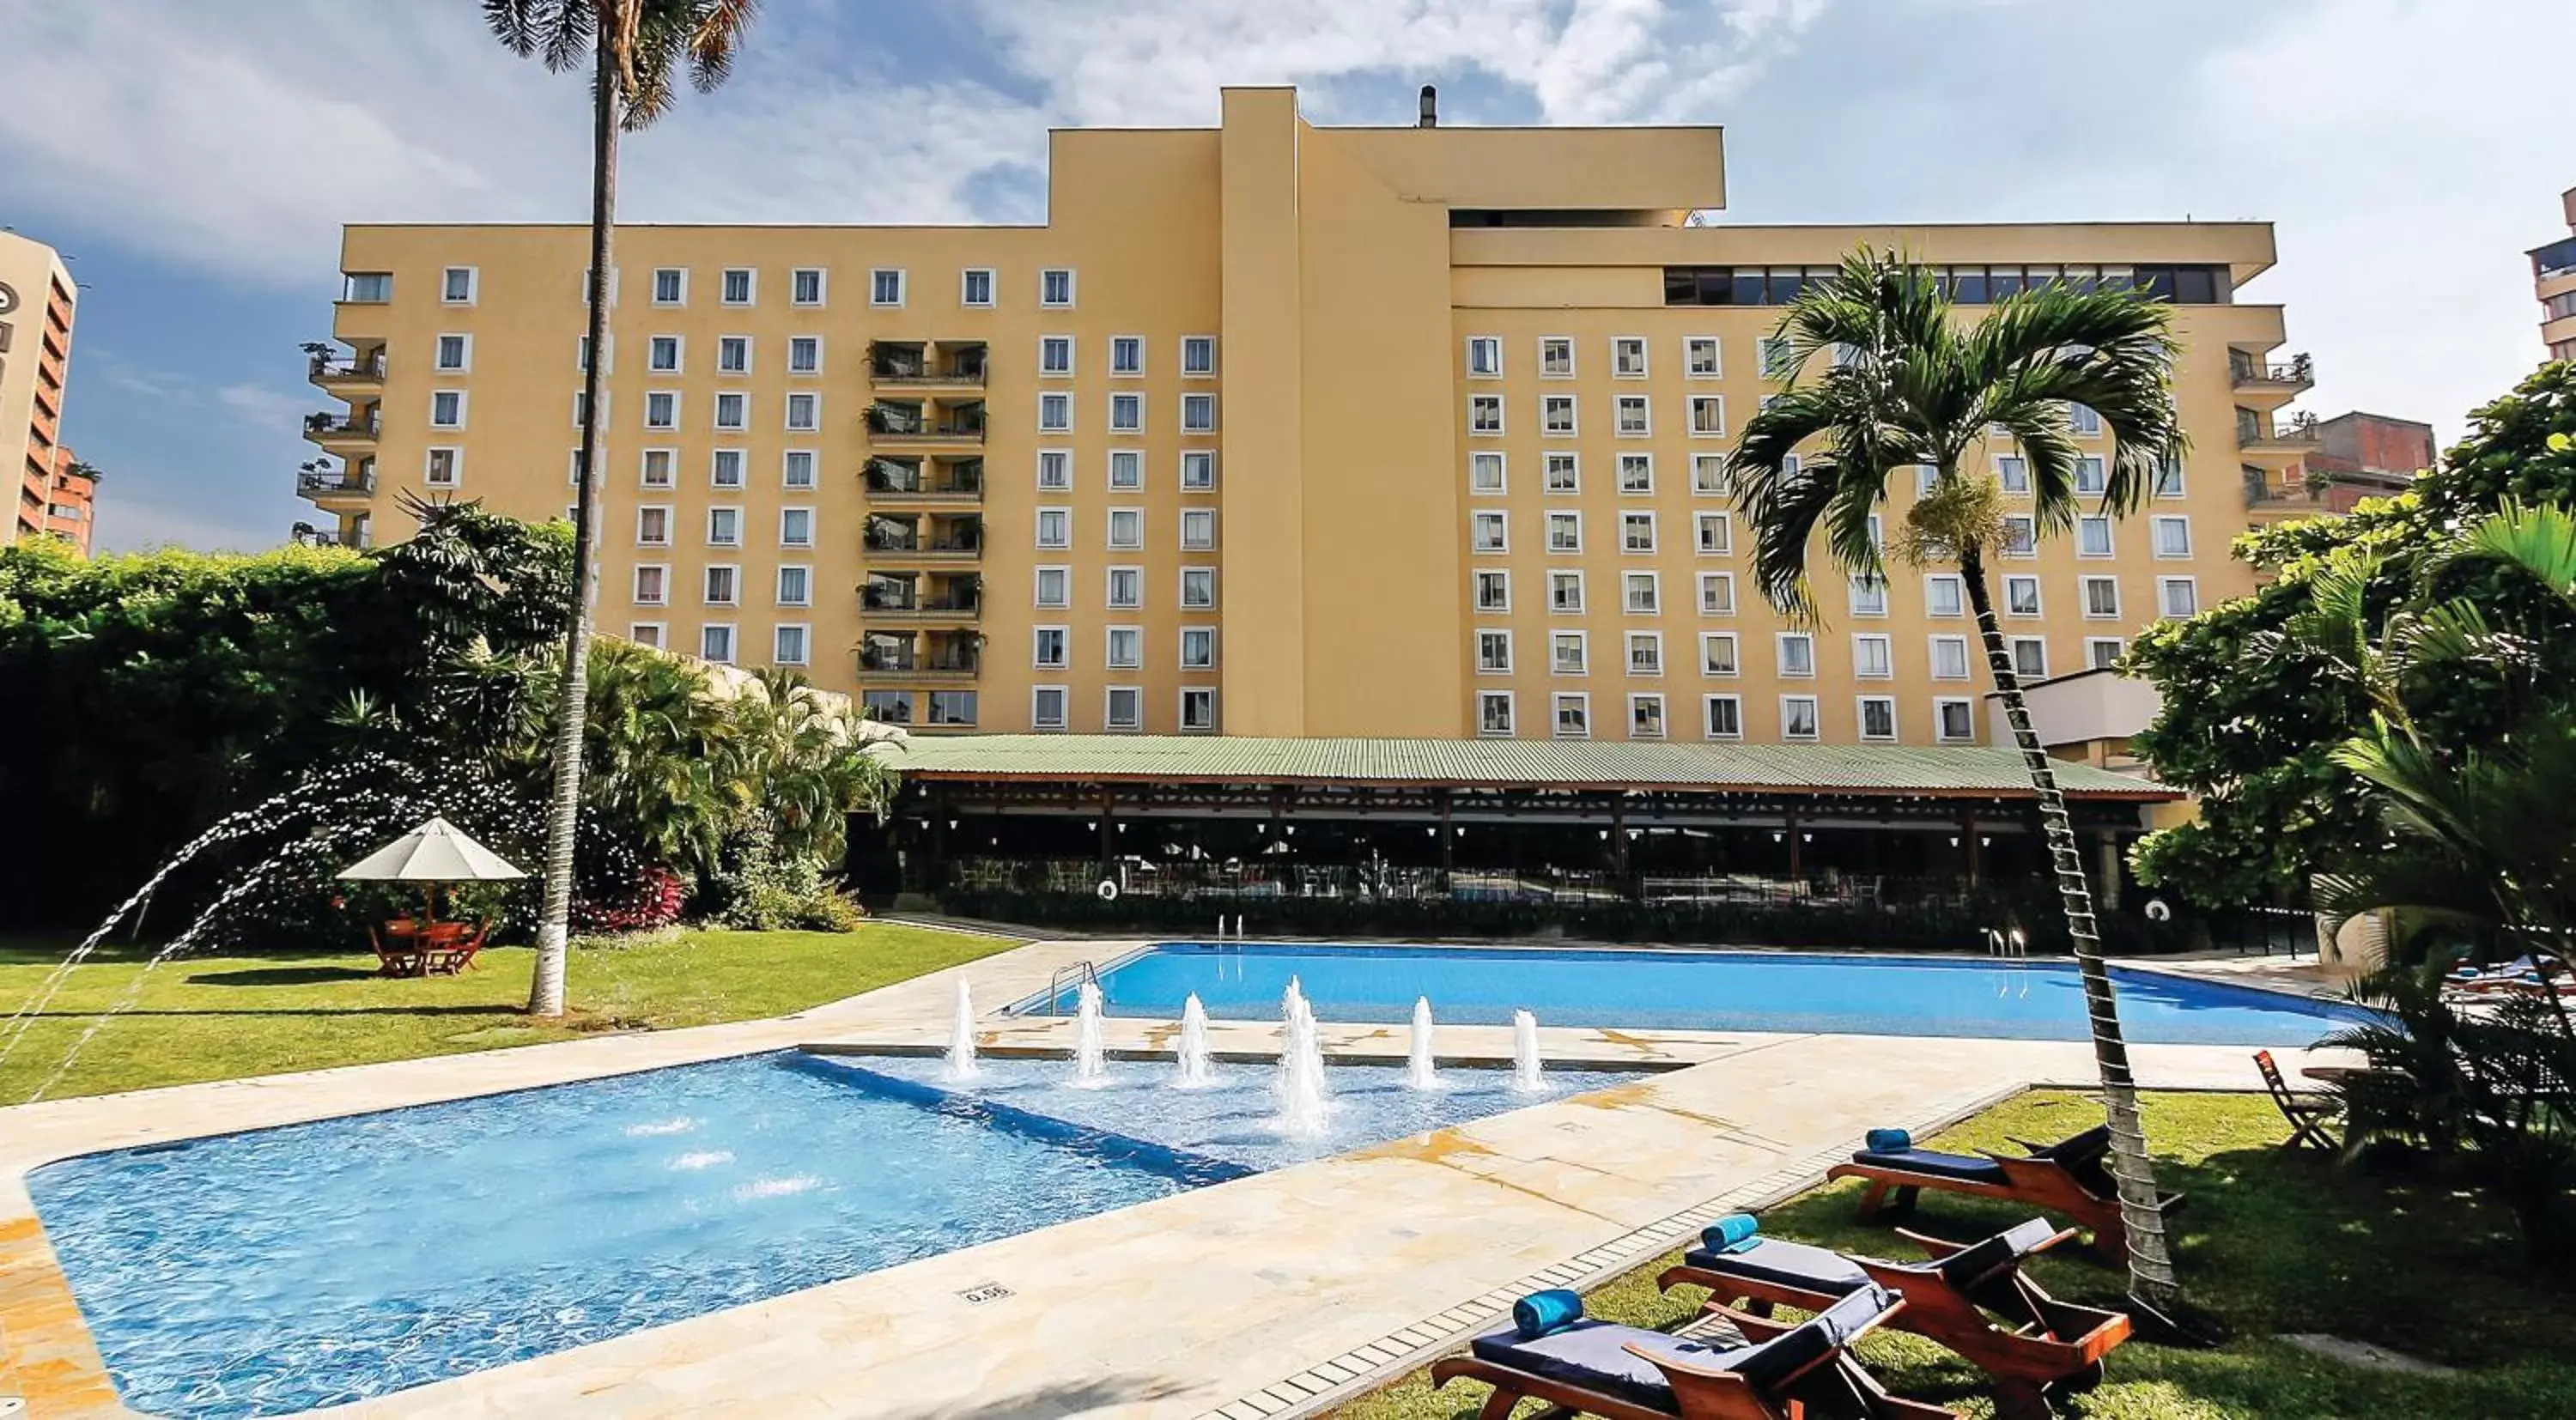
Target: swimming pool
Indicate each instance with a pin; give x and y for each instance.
(1691, 990)
(323, 1263)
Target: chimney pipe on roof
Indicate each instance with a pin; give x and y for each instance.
(1430, 107)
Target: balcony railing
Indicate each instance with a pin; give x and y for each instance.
(891, 423)
(899, 369)
(888, 479)
(307, 535)
(2299, 374)
(897, 608)
(327, 425)
(325, 368)
(334, 483)
(874, 661)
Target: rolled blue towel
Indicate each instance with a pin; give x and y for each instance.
(1733, 1233)
(1889, 1141)
(1542, 1312)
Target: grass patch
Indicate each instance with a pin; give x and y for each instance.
(2273, 1242)
(218, 1018)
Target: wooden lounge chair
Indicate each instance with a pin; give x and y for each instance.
(2066, 1178)
(1780, 1372)
(398, 953)
(1972, 1298)
(2308, 1117)
(450, 953)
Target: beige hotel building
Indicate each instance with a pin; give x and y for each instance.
(1269, 430)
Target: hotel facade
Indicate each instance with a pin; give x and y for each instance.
(37, 303)
(1270, 430)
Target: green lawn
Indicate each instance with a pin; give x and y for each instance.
(214, 1018)
(2274, 1243)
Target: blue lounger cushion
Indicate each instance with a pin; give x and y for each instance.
(1786, 1264)
(1964, 1167)
(1892, 1141)
(1594, 1354)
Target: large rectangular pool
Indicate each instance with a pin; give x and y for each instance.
(1702, 990)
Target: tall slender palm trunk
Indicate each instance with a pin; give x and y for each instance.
(2151, 1269)
(563, 810)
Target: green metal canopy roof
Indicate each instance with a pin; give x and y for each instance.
(1547, 764)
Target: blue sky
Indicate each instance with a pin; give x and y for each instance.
(196, 160)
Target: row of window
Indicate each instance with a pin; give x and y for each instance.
(1125, 590)
(1633, 417)
(1123, 648)
(1966, 284)
(1126, 470)
(654, 523)
(1954, 719)
(667, 354)
(1126, 356)
(1126, 413)
(791, 643)
(807, 286)
(802, 411)
(1703, 357)
(1569, 653)
(1944, 594)
(1489, 532)
(1126, 529)
(658, 468)
(1122, 708)
(1561, 472)
(721, 585)
(938, 707)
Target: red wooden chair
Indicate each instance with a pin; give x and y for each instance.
(2308, 1117)
(2066, 1178)
(453, 952)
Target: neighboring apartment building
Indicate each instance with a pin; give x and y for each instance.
(2553, 280)
(2362, 455)
(37, 297)
(71, 501)
(1271, 429)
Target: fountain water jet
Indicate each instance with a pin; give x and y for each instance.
(1194, 1072)
(1420, 1072)
(1304, 1096)
(961, 1036)
(1090, 1048)
(1529, 1076)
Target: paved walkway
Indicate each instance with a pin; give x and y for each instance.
(1261, 1297)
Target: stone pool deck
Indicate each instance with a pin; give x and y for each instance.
(1268, 1296)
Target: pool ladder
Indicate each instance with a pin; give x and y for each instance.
(1063, 976)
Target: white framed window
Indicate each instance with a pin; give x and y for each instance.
(804, 354)
(455, 354)
(1198, 471)
(1055, 470)
(1050, 647)
(2083, 420)
(1635, 416)
(1636, 532)
(1198, 414)
(1485, 472)
(572, 477)
(1126, 529)
(1641, 593)
(1556, 357)
(2092, 536)
(1054, 587)
(1925, 476)
(457, 285)
(2169, 477)
(739, 285)
(1797, 717)
(1701, 358)
(733, 354)
(2172, 534)
(581, 355)
(1949, 658)
(1055, 288)
(1198, 708)
(1055, 412)
(722, 584)
(2101, 653)
(1564, 473)
(2177, 597)
(1124, 648)
(447, 409)
(733, 410)
(1636, 473)
(885, 286)
(2012, 474)
(805, 286)
(2102, 598)
(2090, 479)
(1708, 416)
(614, 274)
(1646, 653)
(648, 633)
(1708, 476)
(662, 354)
(1484, 357)
(715, 642)
(804, 411)
(1877, 717)
(796, 470)
(1573, 713)
(1055, 355)
(1198, 648)
(975, 289)
(1126, 413)
(443, 467)
(1493, 590)
(1055, 527)
(1795, 653)
(2021, 595)
(1944, 595)
(1867, 595)
(1126, 588)
(1565, 532)
(1198, 530)
(795, 527)
(1198, 588)
(1645, 716)
(1565, 593)
(795, 585)
(2029, 657)
(1126, 355)
(724, 469)
(1123, 708)
(670, 286)
(1873, 657)
(1717, 653)
(1198, 356)
(1776, 351)
(653, 525)
(1556, 416)
(1126, 470)
(1488, 532)
(2021, 536)
(1493, 651)
(1722, 717)
(1717, 594)
(662, 409)
(652, 584)
(1628, 357)
(1954, 720)
(1494, 713)
(787, 643)
(724, 527)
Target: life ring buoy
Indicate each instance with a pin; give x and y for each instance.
(2158, 911)
(1108, 889)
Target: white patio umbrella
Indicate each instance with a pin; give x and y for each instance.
(436, 852)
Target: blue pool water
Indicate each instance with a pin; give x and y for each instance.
(317, 1264)
(1683, 990)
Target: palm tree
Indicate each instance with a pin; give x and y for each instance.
(1911, 384)
(634, 47)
